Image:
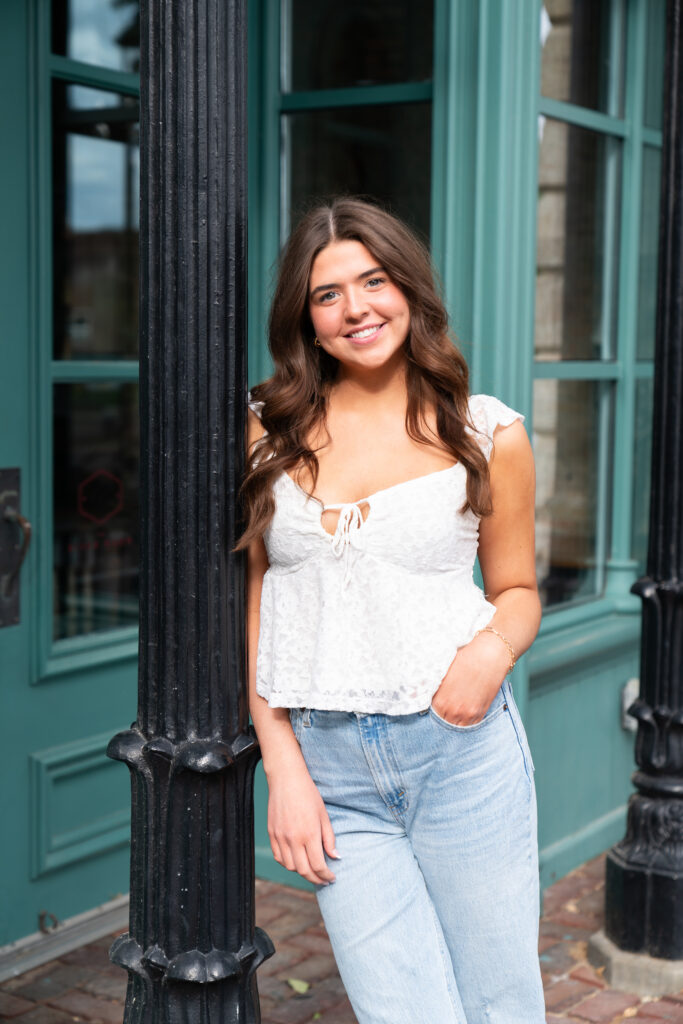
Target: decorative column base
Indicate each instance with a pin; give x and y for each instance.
(644, 873)
(635, 972)
(192, 949)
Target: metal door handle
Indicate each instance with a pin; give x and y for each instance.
(13, 516)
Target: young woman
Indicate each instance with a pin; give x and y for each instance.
(399, 775)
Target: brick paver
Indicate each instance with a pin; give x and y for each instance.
(662, 1009)
(84, 986)
(11, 1006)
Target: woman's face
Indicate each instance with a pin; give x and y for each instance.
(359, 315)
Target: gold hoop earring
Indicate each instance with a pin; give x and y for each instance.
(316, 342)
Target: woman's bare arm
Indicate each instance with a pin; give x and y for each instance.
(506, 557)
(298, 824)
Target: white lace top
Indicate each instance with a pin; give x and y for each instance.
(369, 619)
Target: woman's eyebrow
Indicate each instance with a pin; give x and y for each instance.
(329, 287)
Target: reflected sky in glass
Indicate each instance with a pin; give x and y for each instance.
(95, 205)
(98, 195)
(101, 32)
(103, 161)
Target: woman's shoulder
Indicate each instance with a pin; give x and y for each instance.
(487, 413)
(490, 412)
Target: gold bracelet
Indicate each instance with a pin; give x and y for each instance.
(511, 650)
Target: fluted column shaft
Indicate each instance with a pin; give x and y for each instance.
(644, 899)
(192, 948)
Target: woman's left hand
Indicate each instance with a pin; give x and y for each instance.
(473, 679)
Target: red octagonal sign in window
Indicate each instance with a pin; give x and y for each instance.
(100, 496)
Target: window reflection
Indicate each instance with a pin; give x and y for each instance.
(102, 32)
(566, 430)
(577, 243)
(358, 43)
(583, 43)
(381, 151)
(95, 507)
(648, 256)
(95, 215)
(654, 62)
(642, 454)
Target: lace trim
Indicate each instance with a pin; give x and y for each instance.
(350, 700)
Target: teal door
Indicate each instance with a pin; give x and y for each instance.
(68, 422)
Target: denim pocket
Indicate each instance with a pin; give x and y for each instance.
(496, 707)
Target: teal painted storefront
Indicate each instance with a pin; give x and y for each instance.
(481, 132)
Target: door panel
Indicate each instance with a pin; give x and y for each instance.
(68, 669)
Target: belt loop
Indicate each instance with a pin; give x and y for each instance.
(307, 717)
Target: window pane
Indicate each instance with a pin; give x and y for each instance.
(95, 507)
(95, 216)
(654, 62)
(583, 53)
(649, 243)
(566, 443)
(379, 151)
(577, 243)
(641, 476)
(358, 43)
(102, 32)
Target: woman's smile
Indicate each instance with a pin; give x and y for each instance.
(365, 334)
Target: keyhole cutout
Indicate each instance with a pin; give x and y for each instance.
(329, 517)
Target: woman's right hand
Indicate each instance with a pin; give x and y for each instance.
(299, 826)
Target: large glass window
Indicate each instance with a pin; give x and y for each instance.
(583, 53)
(577, 241)
(597, 230)
(569, 415)
(356, 43)
(335, 59)
(381, 151)
(95, 211)
(96, 507)
(96, 199)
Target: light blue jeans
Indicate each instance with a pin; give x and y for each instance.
(433, 917)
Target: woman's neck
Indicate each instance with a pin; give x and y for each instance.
(354, 387)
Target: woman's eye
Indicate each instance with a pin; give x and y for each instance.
(375, 281)
(326, 296)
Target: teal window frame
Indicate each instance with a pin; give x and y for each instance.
(50, 658)
(268, 213)
(614, 556)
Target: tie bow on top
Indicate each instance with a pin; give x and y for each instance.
(350, 520)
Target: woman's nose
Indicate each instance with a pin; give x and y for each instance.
(356, 304)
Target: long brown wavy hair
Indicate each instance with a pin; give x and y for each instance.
(295, 396)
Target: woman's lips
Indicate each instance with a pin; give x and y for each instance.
(374, 330)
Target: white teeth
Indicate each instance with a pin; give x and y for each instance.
(365, 333)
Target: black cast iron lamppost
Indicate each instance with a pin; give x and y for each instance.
(644, 897)
(192, 948)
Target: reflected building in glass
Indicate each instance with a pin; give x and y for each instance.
(95, 206)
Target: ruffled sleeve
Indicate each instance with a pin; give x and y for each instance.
(488, 413)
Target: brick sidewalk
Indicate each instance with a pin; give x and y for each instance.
(83, 986)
